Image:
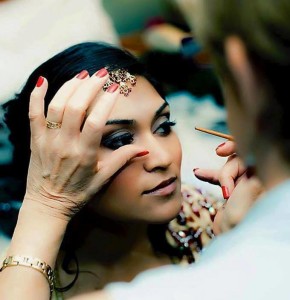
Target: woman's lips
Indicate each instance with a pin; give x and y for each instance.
(164, 188)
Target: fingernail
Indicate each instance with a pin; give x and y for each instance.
(39, 81)
(226, 193)
(195, 169)
(219, 146)
(83, 74)
(143, 153)
(102, 73)
(112, 88)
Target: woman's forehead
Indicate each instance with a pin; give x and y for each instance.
(144, 100)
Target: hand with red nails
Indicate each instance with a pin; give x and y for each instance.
(239, 190)
(229, 175)
(64, 169)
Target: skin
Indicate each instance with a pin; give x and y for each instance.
(243, 190)
(56, 159)
(125, 211)
(123, 199)
(240, 107)
(85, 167)
(121, 209)
(243, 104)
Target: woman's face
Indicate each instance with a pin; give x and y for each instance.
(143, 119)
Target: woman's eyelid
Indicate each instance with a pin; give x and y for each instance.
(162, 118)
(117, 133)
(164, 114)
(117, 140)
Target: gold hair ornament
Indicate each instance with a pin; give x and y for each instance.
(122, 77)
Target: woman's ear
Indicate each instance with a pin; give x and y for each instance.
(244, 74)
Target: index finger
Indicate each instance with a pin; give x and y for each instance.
(230, 174)
(36, 107)
(92, 130)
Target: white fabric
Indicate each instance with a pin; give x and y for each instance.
(198, 149)
(32, 31)
(250, 263)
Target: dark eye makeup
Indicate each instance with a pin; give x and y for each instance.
(164, 128)
(118, 139)
(122, 137)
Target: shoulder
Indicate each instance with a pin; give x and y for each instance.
(206, 280)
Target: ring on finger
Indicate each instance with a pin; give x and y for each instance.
(53, 125)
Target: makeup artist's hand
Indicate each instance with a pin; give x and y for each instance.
(229, 175)
(244, 195)
(240, 189)
(64, 171)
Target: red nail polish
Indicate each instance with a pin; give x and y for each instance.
(220, 146)
(39, 81)
(226, 193)
(195, 169)
(143, 153)
(112, 88)
(83, 74)
(102, 73)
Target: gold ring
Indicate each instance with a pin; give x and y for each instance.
(53, 125)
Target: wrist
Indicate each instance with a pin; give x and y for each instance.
(47, 205)
(37, 234)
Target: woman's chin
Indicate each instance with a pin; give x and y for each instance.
(168, 212)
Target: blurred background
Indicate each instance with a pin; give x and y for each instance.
(157, 31)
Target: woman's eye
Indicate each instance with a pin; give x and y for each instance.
(164, 128)
(117, 140)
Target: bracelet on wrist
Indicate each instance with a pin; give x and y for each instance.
(30, 262)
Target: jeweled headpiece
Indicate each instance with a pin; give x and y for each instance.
(123, 78)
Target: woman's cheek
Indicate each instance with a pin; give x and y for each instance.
(125, 182)
(177, 150)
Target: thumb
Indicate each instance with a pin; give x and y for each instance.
(230, 175)
(226, 149)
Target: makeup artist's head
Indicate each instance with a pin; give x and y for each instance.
(148, 188)
(249, 43)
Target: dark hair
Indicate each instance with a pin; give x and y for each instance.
(57, 70)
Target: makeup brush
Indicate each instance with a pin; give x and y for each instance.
(222, 135)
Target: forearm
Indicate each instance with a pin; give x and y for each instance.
(36, 235)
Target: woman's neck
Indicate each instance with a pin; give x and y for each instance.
(110, 241)
(112, 251)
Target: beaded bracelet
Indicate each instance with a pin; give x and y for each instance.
(31, 262)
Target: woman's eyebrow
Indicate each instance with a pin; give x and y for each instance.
(120, 122)
(160, 109)
(131, 122)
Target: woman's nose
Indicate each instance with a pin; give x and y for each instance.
(159, 157)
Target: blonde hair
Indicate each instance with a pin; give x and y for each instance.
(263, 25)
(264, 28)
